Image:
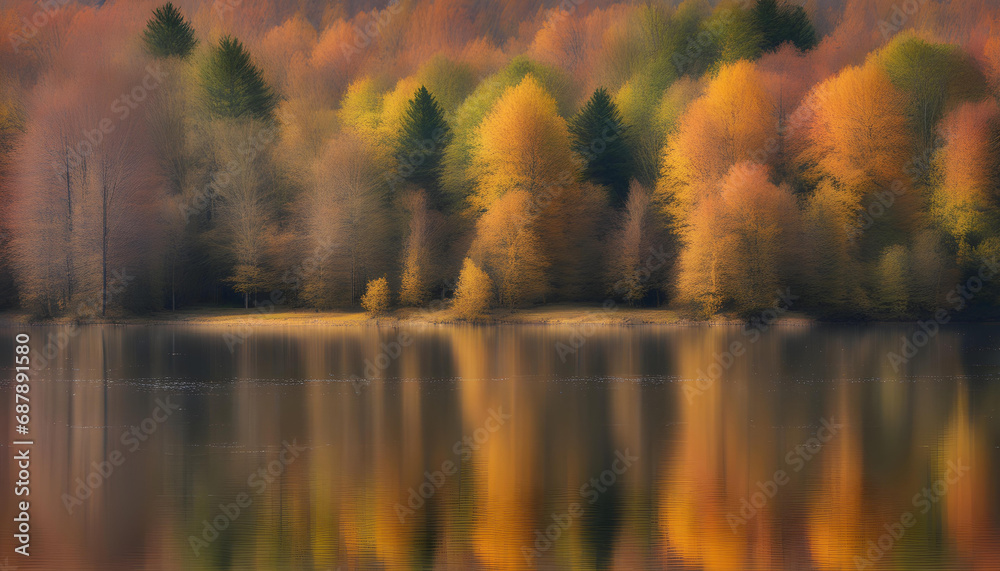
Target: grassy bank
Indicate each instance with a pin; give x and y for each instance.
(556, 314)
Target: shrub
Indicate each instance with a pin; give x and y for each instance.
(376, 298)
(474, 292)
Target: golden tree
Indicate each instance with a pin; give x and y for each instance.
(734, 121)
(507, 245)
(523, 144)
(859, 132)
(377, 297)
(474, 292)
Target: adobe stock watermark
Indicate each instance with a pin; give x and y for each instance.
(923, 501)
(464, 448)
(132, 439)
(121, 109)
(899, 16)
(41, 18)
(365, 36)
(258, 483)
(796, 459)
(753, 330)
(591, 491)
(958, 297)
(387, 353)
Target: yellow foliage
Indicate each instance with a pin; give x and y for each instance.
(474, 292)
(523, 144)
(394, 106)
(362, 105)
(734, 121)
(377, 298)
(508, 246)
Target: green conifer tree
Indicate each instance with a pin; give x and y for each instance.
(168, 33)
(233, 86)
(422, 141)
(600, 138)
(780, 23)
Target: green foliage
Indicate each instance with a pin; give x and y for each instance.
(936, 77)
(233, 85)
(779, 22)
(600, 138)
(425, 135)
(748, 33)
(450, 81)
(741, 37)
(168, 33)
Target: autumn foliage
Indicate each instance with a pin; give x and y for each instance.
(297, 153)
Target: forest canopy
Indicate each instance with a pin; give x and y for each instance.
(699, 155)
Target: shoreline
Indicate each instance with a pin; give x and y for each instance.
(556, 314)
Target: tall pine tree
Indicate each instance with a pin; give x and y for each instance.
(423, 137)
(600, 138)
(168, 33)
(235, 87)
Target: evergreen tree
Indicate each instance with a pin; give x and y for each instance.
(422, 141)
(600, 138)
(168, 33)
(234, 86)
(780, 23)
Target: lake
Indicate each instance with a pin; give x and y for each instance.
(509, 447)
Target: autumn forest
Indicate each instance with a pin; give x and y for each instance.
(709, 157)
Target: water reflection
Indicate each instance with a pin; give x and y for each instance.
(481, 448)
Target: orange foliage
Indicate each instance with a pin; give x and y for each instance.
(740, 244)
(858, 134)
(733, 122)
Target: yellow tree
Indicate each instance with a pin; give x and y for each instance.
(741, 244)
(508, 247)
(474, 292)
(733, 121)
(522, 144)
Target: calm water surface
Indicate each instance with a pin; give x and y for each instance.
(482, 448)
